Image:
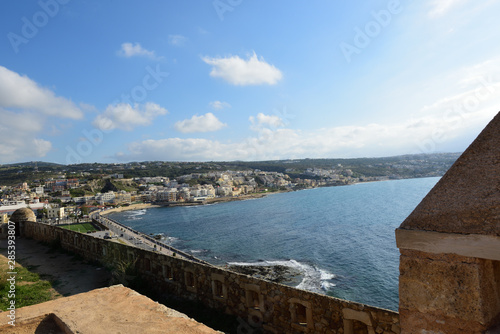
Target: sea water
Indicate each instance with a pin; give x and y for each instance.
(341, 238)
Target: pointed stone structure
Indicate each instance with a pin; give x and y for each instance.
(450, 247)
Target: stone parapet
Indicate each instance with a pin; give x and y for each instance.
(447, 293)
(261, 306)
(450, 247)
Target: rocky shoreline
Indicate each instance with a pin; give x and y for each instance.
(274, 273)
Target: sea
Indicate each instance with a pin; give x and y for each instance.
(342, 239)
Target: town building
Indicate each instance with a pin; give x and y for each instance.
(56, 212)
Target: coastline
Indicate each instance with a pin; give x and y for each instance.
(241, 197)
(217, 200)
(141, 206)
(131, 207)
(314, 274)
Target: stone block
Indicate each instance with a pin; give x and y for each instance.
(459, 287)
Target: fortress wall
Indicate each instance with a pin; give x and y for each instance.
(260, 306)
(448, 293)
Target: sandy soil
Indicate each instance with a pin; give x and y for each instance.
(208, 201)
(131, 207)
(71, 275)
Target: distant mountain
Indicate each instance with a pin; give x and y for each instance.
(32, 164)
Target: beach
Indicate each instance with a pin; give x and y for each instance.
(141, 206)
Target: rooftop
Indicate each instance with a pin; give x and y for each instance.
(465, 200)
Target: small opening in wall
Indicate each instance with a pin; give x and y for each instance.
(360, 327)
(254, 299)
(167, 272)
(190, 279)
(219, 291)
(301, 314)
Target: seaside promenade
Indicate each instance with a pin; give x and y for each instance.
(128, 236)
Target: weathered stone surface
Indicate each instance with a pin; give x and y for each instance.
(108, 310)
(437, 323)
(461, 287)
(468, 245)
(396, 329)
(22, 215)
(466, 199)
(449, 264)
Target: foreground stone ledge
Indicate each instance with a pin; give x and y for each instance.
(468, 245)
(116, 309)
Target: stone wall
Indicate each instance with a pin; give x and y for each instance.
(261, 306)
(448, 293)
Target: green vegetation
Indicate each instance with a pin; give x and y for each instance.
(80, 192)
(123, 272)
(30, 289)
(82, 228)
(112, 185)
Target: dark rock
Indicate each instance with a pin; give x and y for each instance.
(277, 273)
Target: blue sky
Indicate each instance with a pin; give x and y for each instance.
(119, 81)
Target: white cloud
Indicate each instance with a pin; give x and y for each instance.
(176, 40)
(203, 123)
(126, 117)
(240, 72)
(21, 92)
(449, 123)
(422, 135)
(477, 74)
(441, 7)
(18, 136)
(266, 120)
(131, 50)
(25, 107)
(219, 105)
(472, 90)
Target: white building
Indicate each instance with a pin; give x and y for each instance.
(122, 197)
(224, 191)
(107, 197)
(55, 213)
